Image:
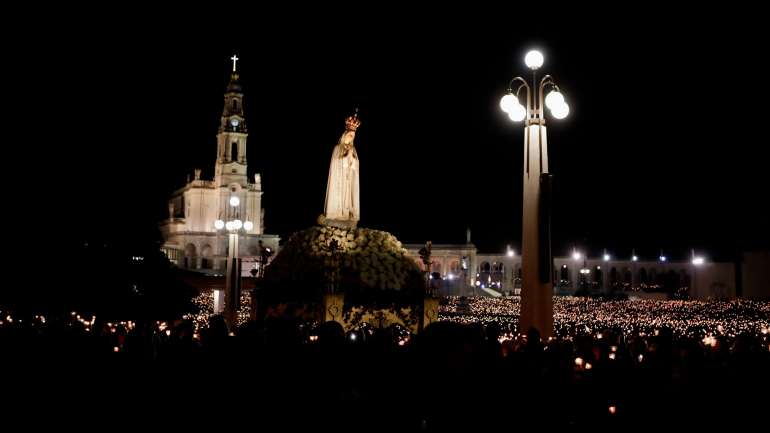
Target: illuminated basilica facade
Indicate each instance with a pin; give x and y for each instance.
(191, 239)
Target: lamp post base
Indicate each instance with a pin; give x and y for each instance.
(537, 309)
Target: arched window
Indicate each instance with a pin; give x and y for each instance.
(235, 105)
(234, 152)
(485, 273)
(598, 276)
(454, 267)
(583, 280)
(672, 281)
(206, 257)
(498, 274)
(190, 256)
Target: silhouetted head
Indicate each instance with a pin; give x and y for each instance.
(331, 333)
(533, 337)
(217, 327)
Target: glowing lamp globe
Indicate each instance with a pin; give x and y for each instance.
(534, 59)
(606, 257)
(219, 224)
(248, 225)
(560, 111)
(237, 224)
(554, 99)
(229, 225)
(576, 255)
(234, 201)
(508, 101)
(517, 113)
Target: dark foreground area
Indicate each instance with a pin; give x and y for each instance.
(291, 376)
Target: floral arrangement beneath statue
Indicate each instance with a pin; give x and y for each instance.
(350, 260)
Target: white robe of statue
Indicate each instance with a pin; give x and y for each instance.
(342, 194)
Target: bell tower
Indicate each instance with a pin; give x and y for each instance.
(231, 140)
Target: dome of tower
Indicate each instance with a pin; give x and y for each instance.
(234, 86)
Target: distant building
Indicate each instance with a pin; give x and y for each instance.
(466, 272)
(190, 238)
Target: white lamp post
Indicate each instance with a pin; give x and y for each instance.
(234, 226)
(537, 279)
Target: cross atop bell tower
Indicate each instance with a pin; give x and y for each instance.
(232, 115)
(231, 139)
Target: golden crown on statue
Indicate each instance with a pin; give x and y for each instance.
(352, 123)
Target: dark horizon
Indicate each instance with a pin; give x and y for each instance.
(647, 158)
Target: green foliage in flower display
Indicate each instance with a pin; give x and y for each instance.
(358, 261)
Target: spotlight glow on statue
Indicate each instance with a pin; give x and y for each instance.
(342, 190)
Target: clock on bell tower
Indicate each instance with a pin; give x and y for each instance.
(231, 139)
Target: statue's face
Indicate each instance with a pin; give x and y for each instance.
(347, 138)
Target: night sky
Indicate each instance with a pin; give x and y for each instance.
(665, 145)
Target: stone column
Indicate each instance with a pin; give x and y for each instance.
(508, 275)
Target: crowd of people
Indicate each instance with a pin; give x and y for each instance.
(609, 364)
(696, 319)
